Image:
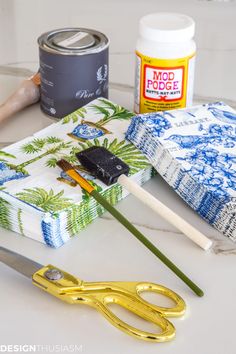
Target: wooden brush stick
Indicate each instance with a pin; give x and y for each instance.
(165, 212)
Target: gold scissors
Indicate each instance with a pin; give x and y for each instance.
(100, 294)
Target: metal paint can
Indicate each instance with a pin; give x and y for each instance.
(73, 69)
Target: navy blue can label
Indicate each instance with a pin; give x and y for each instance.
(74, 69)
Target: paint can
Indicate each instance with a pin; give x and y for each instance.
(73, 69)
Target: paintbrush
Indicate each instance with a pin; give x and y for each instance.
(85, 185)
(110, 169)
(27, 94)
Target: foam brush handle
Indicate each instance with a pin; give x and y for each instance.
(101, 200)
(166, 213)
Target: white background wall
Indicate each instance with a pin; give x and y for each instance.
(22, 21)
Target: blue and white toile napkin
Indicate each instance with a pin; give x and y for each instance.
(194, 150)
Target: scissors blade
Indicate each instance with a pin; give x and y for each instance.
(21, 264)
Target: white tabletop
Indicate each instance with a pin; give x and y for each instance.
(106, 251)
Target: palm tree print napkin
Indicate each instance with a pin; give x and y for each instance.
(194, 150)
(37, 199)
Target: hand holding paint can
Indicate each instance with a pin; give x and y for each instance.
(165, 56)
(73, 69)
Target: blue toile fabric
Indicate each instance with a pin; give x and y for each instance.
(194, 150)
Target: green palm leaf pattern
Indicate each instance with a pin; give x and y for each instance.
(20, 223)
(50, 145)
(52, 162)
(86, 195)
(47, 201)
(4, 154)
(74, 117)
(74, 221)
(71, 157)
(100, 109)
(113, 195)
(5, 217)
(125, 151)
(110, 112)
(53, 140)
(34, 146)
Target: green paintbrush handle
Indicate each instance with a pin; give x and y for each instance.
(101, 200)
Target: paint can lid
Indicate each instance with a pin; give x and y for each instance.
(73, 41)
(167, 27)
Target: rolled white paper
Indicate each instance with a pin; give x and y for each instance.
(27, 94)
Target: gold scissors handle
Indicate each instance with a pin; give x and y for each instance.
(126, 294)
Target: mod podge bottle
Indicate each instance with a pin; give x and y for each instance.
(165, 56)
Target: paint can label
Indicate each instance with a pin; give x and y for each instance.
(163, 84)
(70, 82)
